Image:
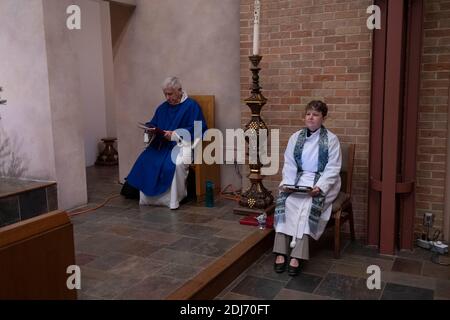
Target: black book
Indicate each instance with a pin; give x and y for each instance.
(295, 188)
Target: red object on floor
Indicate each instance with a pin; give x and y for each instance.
(251, 220)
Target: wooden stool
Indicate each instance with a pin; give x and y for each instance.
(109, 155)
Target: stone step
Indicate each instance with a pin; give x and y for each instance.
(210, 282)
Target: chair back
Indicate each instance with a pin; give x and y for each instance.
(206, 103)
(205, 172)
(348, 158)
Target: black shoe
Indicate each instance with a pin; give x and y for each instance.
(293, 271)
(129, 192)
(280, 267)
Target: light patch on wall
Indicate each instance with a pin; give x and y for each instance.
(12, 162)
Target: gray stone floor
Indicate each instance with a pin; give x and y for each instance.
(131, 252)
(127, 251)
(406, 276)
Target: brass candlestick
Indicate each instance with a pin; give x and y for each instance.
(256, 196)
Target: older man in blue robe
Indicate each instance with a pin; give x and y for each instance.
(158, 176)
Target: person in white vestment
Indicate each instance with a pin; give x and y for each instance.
(312, 159)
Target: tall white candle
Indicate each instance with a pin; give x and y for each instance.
(256, 13)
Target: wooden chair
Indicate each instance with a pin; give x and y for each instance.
(205, 172)
(342, 210)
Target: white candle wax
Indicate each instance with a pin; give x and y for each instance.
(256, 13)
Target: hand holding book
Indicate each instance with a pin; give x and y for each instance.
(294, 188)
(312, 191)
(151, 128)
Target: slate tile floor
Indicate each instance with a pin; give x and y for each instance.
(406, 276)
(131, 252)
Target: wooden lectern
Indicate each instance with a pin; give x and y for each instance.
(34, 257)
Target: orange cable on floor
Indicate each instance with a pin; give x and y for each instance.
(71, 214)
(233, 195)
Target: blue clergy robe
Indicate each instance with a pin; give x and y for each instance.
(154, 170)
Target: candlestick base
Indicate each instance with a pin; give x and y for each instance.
(257, 196)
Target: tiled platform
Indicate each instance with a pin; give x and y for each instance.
(406, 276)
(130, 252)
(24, 199)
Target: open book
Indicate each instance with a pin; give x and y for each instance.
(151, 128)
(294, 188)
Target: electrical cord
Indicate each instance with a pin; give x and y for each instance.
(430, 244)
(234, 195)
(230, 195)
(75, 213)
(435, 258)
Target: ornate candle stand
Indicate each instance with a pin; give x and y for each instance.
(109, 155)
(256, 196)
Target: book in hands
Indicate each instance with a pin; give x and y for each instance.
(294, 188)
(151, 128)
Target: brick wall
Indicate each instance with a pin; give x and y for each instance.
(432, 127)
(317, 49)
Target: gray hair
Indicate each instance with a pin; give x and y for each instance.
(171, 82)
